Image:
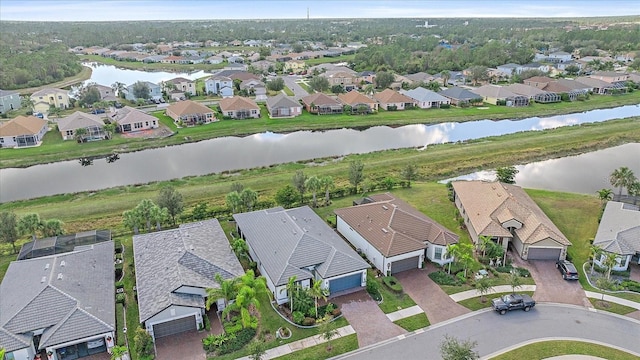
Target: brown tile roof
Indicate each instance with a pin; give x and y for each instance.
(237, 103)
(391, 96)
(539, 79)
(353, 98)
(319, 99)
(129, 115)
(22, 125)
(188, 107)
(489, 204)
(394, 227)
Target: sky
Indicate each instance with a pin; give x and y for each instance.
(113, 10)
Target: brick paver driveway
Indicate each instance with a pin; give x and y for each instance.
(429, 296)
(366, 318)
(188, 345)
(550, 287)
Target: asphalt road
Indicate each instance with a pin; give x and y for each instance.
(494, 333)
(298, 91)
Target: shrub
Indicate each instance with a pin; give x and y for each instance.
(445, 106)
(523, 272)
(119, 284)
(336, 312)
(312, 312)
(207, 323)
(392, 283)
(212, 342)
(143, 344)
(442, 278)
(373, 288)
(232, 327)
(631, 285)
(242, 338)
(504, 269)
(120, 298)
(298, 317)
(308, 321)
(461, 277)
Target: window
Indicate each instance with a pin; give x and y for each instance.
(437, 253)
(254, 112)
(229, 113)
(59, 97)
(137, 125)
(69, 132)
(146, 123)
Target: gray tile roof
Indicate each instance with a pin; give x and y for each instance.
(458, 93)
(4, 93)
(188, 256)
(282, 101)
(79, 120)
(46, 292)
(619, 229)
(424, 95)
(11, 342)
(285, 241)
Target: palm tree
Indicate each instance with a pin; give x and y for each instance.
(132, 220)
(453, 251)
(317, 291)
(52, 227)
(247, 299)
(118, 88)
(233, 201)
(248, 198)
(79, 134)
(328, 332)
(159, 215)
(27, 102)
(314, 184)
(610, 260)
(483, 243)
(241, 248)
(634, 190)
(29, 224)
(109, 129)
(483, 286)
(446, 75)
(144, 208)
(370, 89)
(227, 291)
(514, 281)
(621, 177)
(605, 195)
(327, 185)
(594, 253)
(292, 287)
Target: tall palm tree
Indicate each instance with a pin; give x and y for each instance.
(292, 287)
(327, 185)
(610, 260)
(227, 291)
(317, 291)
(29, 224)
(233, 201)
(621, 178)
(594, 253)
(248, 198)
(452, 251)
(634, 190)
(52, 227)
(159, 215)
(370, 89)
(144, 208)
(314, 184)
(132, 220)
(79, 134)
(446, 75)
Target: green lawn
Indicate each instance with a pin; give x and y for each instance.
(546, 349)
(501, 279)
(611, 307)
(414, 322)
(319, 352)
(474, 304)
(391, 301)
(288, 91)
(326, 60)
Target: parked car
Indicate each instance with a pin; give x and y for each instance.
(118, 105)
(567, 269)
(512, 302)
(97, 111)
(38, 115)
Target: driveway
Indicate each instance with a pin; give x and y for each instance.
(429, 296)
(366, 318)
(550, 287)
(298, 91)
(188, 345)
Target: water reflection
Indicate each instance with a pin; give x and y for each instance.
(109, 74)
(88, 161)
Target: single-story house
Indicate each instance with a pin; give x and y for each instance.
(394, 235)
(23, 131)
(219, 85)
(297, 242)
(507, 214)
(423, 78)
(190, 113)
(174, 269)
(460, 96)
(602, 87)
(492, 94)
(619, 233)
(359, 103)
(239, 107)
(283, 106)
(45, 98)
(610, 76)
(181, 84)
(425, 98)
(321, 104)
(534, 93)
(61, 304)
(9, 100)
(393, 100)
(79, 120)
(155, 91)
(129, 119)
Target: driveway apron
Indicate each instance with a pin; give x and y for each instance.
(429, 296)
(366, 318)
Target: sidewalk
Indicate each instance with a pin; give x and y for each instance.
(613, 299)
(496, 289)
(405, 313)
(302, 344)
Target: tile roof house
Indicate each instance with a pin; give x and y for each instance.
(601, 87)
(23, 131)
(45, 98)
(190, 113)
(283, 106)
(394, 235)
(321, 104)
(219, 85)
(533, 93)
(359, 103)
(181, 84)
(393, 100)
(619, 233)
(507, 214)
(9, 100)
(460, 96)
(297, 242)
(610, 76)
(130, 119)
(256, 88)
(425, 98)
(493, 94)
(155, 91)
(423, 77)
(63, 304)
(93, 124)
(239, 107)
(173, 270)
(106, 93)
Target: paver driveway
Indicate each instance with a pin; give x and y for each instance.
(188, 345)
(429, 296)
(366, 318)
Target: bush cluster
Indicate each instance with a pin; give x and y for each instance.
(392, 283)
(442, 278)
(242, 338)
(631, 285)
(373, 288)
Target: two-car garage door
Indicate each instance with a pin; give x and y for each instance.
(543, 253)
(174, 326)
(405, 264)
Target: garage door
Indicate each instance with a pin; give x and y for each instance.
(174, 326)
(403, 265)
(543, 254)
(344, 283)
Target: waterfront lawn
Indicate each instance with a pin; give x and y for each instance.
(547, 349)
(414, 322)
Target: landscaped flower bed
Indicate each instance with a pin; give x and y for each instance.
(392, 283)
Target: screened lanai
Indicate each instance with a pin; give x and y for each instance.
(61, 244)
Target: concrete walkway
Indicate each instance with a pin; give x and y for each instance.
(405, 313)
(496, 289)
(302, 344)
(613, 299)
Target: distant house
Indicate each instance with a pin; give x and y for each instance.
(219, 85)
(93, 125)
(155, 91)
(358, 102)
(216, 59)
(239, 107)
(619, 233)
(610, 76)
(508, 69)
(181, 84)
(235, 59)
(345, 79)
(601, 87)
(493, 94)
(62, 304)
(9, 100)
(559, 57)
(22, 131)
(394, 235)
(190, 113)
(534, 93)
(129, 119)
(426, 99)
(294, 66)
(571, 88)
(297, 242)
(461, 97)
(282, 106)
(507, 215)
(45, 98)
(393, 100)
(423, 77)
(369, 77)
(321, 104)
(106, 93)
(174, 268)
(263, 65)
(256, 88)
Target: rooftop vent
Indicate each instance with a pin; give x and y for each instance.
(62, 263)
(294, 218)
(60, 276)
(44, 278)
(384, 230)
(385, 207)
(46, 266)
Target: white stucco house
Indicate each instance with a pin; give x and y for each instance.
(619, 233)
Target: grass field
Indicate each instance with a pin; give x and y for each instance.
(547, 349)
(414, 322)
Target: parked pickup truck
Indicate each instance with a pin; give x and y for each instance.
(512, 302)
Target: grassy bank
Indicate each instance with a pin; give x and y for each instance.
(83, 75)
(55, 149)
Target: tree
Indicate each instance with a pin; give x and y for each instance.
(465, 256)
(275, 84)
(257, 350)
(446, 75)
(299, 182)
(453, 251)
(327, 185)
(610, 260)
(317, 291)
(159, 216)
(9, 229)
(143, 343)
(52, 227)
(507, 174)
(144, 209)
(90, 95)
(292, 289)
(454, 349)
(170, 199)
(337, 89)
(118, 351)
(621, 178)
(54, 111)
(514, 281)
(118, 88)
(594, 253)
(227, 290)
(370, 89)
(141, 90)
(247, 299)
(314, 185)
(199, 211)
(483, 286)
(605, 195)
(356, 175)
(29, 224)
(286, 196)
(478, 73)
(484, 242)
(79, 134)
(384, 79)
(319, 83)
(233, 201)
(572, 70)
(328, 332)
(634, 190)
(132, 220)
(236, 186)
(241, 248)
(27, 103)
(408, 173)
(248, 198)
(109, 129)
